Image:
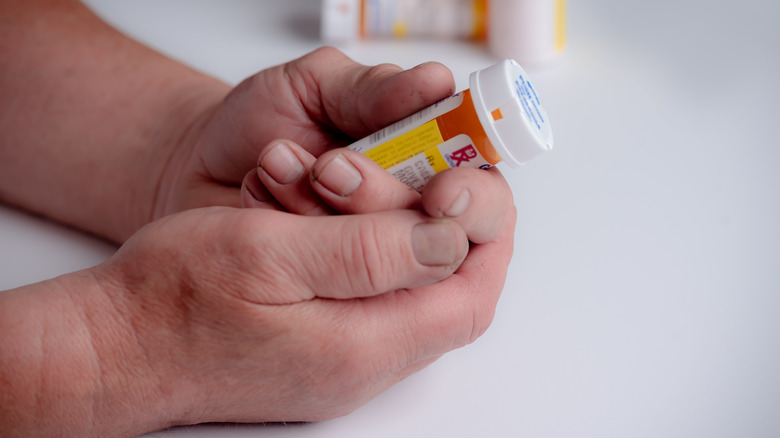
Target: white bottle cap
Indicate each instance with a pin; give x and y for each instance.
(340, 20)
(510, 112)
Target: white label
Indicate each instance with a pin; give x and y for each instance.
(460, 149)
(414, 172)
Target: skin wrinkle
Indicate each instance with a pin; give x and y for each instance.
(351, 358)
(131, 333)
(365, 251)
(324, 263)
(39, 382)
(33, 357)
(194, 130)
(301, 128)
(303, 85)
(482, 311)
(392, 338)
(410, 361)
(322, 110)
(420, 319)
(316, 210)
(91, 357)
(160, 209)
(360, 103)
(264, 261)
(288, 83)
(42, 406)
(328, 109)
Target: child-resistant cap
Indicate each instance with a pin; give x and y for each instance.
(510, 112)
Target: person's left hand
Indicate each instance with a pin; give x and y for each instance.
(320, 101)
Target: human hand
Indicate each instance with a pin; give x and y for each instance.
(260, 315)
(479, 201)
(225, 314)
(273, 316)
(320, 101)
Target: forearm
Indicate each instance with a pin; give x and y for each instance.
(88, 117)
(69, 365)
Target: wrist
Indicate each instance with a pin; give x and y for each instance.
(87, 117)
(157, 163)
(72, 364)
(149, 357)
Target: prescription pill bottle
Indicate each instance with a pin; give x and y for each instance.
(348, 20)
(498, 118)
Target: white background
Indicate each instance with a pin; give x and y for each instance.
(643, 296)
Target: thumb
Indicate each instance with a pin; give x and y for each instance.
(354, 256)
(361, 99)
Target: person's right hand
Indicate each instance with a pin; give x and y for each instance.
(260, 315)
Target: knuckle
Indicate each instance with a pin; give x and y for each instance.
(371, 263)
(380, 71)
(482, 318)
(474, 310)
(325, 52)
(256, 266)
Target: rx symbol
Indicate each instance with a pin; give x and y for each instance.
(463, 155)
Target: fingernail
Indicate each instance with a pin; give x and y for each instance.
(282, 165)
(423, 64)
(460, 205)
(339, 176)
(255, 194)
(437, 243)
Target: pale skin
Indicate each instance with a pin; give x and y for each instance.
(334, 282)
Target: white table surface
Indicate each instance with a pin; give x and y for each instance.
(644, 293)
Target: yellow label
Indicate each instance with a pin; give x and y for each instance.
(405, 146)
(436, 160)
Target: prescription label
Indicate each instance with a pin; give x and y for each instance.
(416, 148)
(407, 124)
(405, 146)
(417, 170)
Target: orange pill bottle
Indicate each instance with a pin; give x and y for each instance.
(498, 118)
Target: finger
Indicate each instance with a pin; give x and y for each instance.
(479, 200)
(421, 324)
(359, 99)
(283, 169)
(255, 195)
(318, 100)
(348, 256)
(350, 182)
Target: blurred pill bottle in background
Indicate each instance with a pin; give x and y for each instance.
(347, 20)
(529, 31)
